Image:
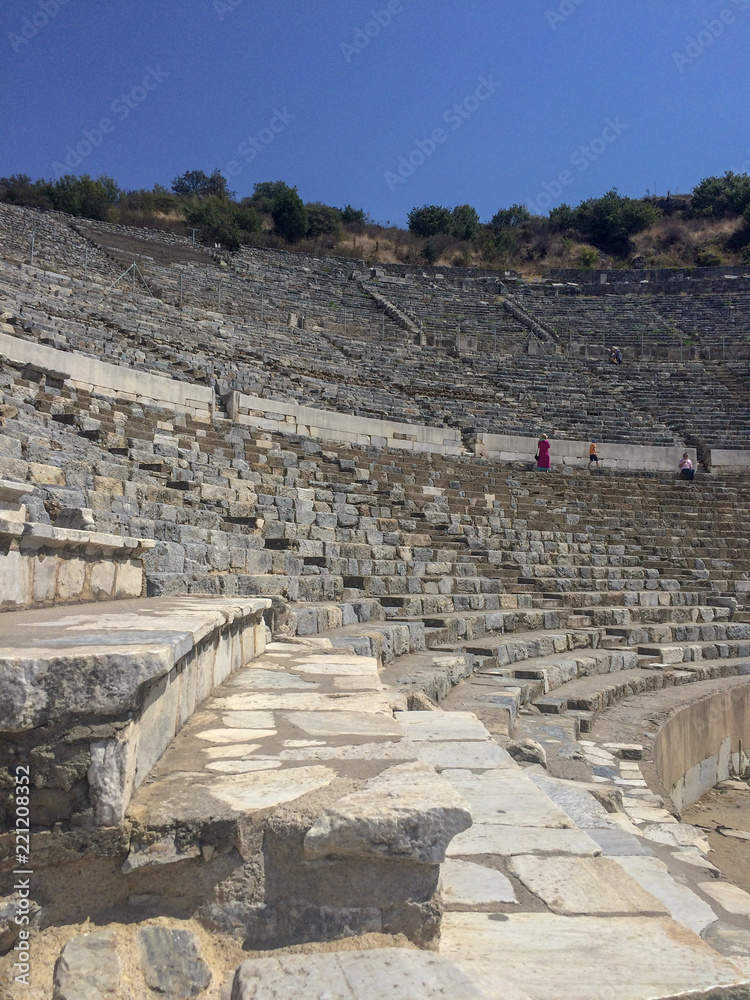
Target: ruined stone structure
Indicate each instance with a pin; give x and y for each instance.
(300, 654)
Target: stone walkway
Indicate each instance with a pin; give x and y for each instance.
(556, 891)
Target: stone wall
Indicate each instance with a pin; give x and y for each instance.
(121, 383)
(325, 425)
(698, 746)
(507, 448)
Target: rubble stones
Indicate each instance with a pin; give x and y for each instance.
(88, 968)
(172, 963)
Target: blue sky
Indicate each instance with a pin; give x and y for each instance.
(384, 105)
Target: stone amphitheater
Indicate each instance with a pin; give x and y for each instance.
(311, 686)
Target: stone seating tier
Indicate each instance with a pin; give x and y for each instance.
(332, 524)
(545, 401)
(707, 401)
(710, 321)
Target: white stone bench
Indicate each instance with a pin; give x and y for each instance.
(117, 680)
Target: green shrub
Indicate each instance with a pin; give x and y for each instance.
(322, 220)
(708, 257)
(430, 252)
(214, 216)
(246, 217)
(722, 196)
(289, 215)
(589, 257)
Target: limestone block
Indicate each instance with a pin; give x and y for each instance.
(468, 886)
(49, 474)
(407, 812)
(102, 580)
(129, 579)
(584, 885)
(44, 569)
(398, 974)
(15, 582)
(494, 838)
(731, 897)
(683, 904)
(110, 776)
(9, 929)
(508, 798)
(88, 968)
(13, 468)
(109, 485)
(586, 958)
(71, 577)
(79, 518)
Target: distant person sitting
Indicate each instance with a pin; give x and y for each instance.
(593, 457)
(615, 356)
(686, 467)
(542, 454)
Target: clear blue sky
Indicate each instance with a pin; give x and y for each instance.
(319, 94)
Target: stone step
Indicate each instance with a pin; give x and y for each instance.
(695, 651)
(311, 619)
(588, 696)
(303, 721)
(667, 632)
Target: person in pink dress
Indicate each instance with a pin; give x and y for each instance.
(686, 467)
(542, 454)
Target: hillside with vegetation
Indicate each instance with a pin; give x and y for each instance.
(708, 227)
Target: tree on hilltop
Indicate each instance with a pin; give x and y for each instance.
(265, 194)
(349, 214)
(289, 214)
(722, 196)
(464, 222)
(429, 220)
(509, 218)
(84, 196)
(195, 183)
(323, 220)
(608, 222)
